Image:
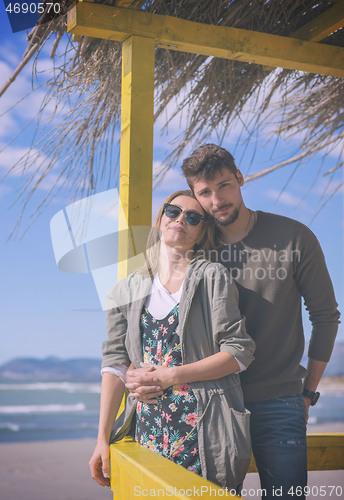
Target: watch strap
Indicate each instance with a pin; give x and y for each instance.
(313, 396)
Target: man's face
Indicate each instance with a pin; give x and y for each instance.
(221, 196)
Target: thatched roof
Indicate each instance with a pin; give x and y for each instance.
(88, 79)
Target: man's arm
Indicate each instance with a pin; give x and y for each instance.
(161, 377)
(314, 282)
(315, 285)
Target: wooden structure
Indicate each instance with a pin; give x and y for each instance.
(140, 32)
(134, 469)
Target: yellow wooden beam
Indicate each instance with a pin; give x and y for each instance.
(124, 3)
(113, 23)
(324, 25)
(136, 151)
(139, 472)
(132, 466)
(325, 451)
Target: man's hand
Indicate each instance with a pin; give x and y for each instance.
(315, 370)
(306, 405)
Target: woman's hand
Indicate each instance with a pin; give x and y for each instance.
(149, 381)
(165, 376)
(99, 464)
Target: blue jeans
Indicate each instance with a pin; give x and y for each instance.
(278, 433)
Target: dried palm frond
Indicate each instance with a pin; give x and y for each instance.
(213, 92)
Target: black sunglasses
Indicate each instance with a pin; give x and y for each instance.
(192, 217)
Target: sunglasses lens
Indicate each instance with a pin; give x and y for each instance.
(172, 212)
(193, 218)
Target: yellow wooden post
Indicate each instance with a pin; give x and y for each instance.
(136, 152)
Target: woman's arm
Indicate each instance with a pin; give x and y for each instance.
(211, 368)
(112, 391)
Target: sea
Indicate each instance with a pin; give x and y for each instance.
(45, 411)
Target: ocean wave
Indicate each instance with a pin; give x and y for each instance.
(70, 387)
(9, 426)
(53, 408)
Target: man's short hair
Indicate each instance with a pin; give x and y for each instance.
(206, 161)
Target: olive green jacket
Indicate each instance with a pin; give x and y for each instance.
(209, 322)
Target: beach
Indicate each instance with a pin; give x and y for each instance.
(58, 470)
(50, 470)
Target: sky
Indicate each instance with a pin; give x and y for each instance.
(48, 312)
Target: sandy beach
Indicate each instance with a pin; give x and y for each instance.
(58, 470)
(55, 470)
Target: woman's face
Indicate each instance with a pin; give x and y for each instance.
(177, 232)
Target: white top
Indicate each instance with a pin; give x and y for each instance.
(159, 303)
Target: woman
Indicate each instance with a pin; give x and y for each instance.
(180, 316)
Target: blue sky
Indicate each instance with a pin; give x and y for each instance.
(49, 312)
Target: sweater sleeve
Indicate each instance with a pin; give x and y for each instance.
(114, 349)
(314, 283)
(228, 324)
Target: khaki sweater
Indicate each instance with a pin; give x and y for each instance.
(274, 266)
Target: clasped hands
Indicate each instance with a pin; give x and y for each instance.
(149, 381)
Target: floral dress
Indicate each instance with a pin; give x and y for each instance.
(170, 426)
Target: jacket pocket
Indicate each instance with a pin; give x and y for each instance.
(240, 437)
(226, 438)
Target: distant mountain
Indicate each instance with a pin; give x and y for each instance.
(335, 366)
(88, 369)
(51, 368)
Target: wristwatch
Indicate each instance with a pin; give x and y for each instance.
(313, 396)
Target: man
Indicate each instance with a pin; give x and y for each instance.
(275, 261)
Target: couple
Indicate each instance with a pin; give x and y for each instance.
(180, 316)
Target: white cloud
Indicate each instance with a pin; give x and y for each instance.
(12, 155)
(7, 122)
(328, 186)
(44, 65)
(20, 104)
(51, 181)
(8, 53)
(286, 198)
(157, 201)
(172, 180)
(336, 152)
(5, 72)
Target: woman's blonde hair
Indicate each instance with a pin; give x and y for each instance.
(206, 241)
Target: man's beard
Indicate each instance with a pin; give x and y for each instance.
(232, 218)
